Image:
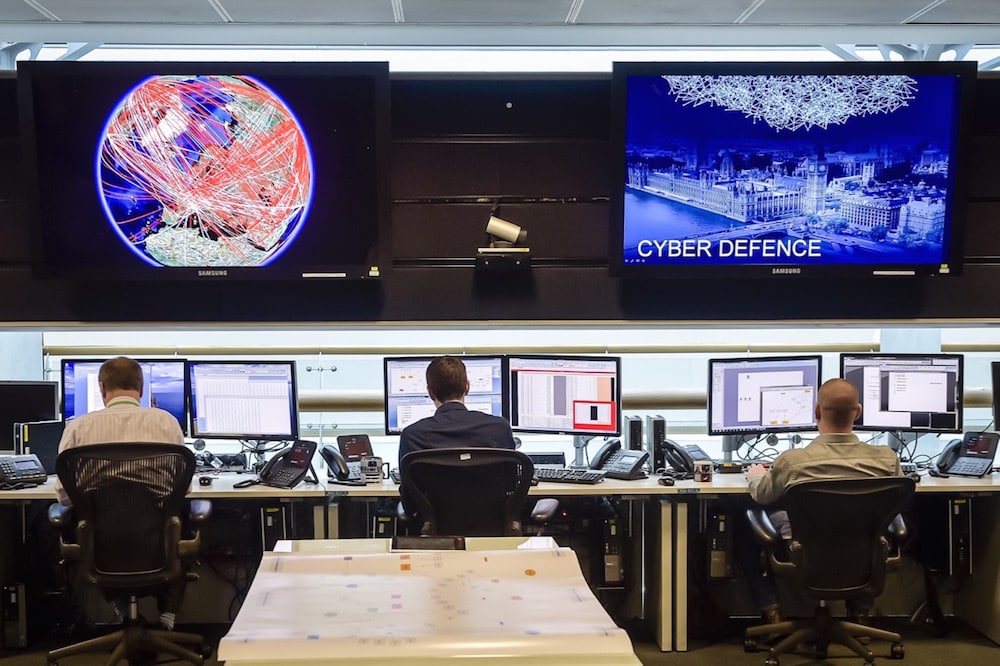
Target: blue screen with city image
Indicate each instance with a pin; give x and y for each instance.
(789, 167)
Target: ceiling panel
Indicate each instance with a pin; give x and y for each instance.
(841, 12)
(513, 12)
(130, 11)
(309, 11)
(10, 11)
(644, 12)
(964, 11)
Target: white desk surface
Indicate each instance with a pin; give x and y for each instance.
(221, 488)
(722, 484)
(351, 602)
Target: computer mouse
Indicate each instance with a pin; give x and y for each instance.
(666, 481)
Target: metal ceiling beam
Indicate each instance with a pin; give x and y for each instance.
(560, 35)
(10, 50)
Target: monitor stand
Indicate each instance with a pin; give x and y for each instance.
(579, 446)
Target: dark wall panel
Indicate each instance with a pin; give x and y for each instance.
(539, 147)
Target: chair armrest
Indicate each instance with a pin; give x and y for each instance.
(199, 510)
(544, 510)
(898, 530)
(763, 529)
(60, 516)
(897, 535)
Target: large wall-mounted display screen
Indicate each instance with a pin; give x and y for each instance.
(206, 170)
(789, 168)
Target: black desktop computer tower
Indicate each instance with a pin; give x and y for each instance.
(944, 527)
(720, 546)
(656, 434)
(612, 545)
(13, 617)
(633, 433)
(272, 526)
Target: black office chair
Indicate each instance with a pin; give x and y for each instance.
(469, 491)
(842, 545)
(127, 503)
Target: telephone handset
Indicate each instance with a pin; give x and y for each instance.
(678, 458)
(289, 466)
(337, 467)
(948, 456)
(618, 463)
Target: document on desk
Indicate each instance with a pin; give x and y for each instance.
(497, 607)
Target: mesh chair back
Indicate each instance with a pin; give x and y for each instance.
(467, 491)
(128, 500)
(838, 533)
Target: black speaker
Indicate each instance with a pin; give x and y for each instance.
(656, 434)
(633, 433)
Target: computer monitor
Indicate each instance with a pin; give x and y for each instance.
(995, 377)
(164, 386)
(907, 392)
(22, 401)
(406, 399)
(250, 400)
(749, 396)
(569, 395)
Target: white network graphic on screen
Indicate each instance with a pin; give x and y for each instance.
(795, 102)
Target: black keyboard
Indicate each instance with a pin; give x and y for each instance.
(394, 475)
(568, 475)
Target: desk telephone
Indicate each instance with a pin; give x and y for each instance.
(619, 463)
(681, 458)
(21, 471)
(289, 466)
(337, 468)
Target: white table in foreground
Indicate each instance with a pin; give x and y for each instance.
(355, 601)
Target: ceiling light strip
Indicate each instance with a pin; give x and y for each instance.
(574, 11)
(748, 12)
(915, 16)
(221, 11)
(34, 4)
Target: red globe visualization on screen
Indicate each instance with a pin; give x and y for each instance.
(205, 171)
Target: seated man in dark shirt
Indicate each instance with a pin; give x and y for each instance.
(453, 424)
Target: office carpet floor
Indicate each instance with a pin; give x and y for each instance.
(959, 647)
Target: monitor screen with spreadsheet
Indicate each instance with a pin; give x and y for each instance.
(569, 395)
(763, 395)
(163, 380)
(252, 400)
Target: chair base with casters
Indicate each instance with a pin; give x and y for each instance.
(821, 630)
(134, 640)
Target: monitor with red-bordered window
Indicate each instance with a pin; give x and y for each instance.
(568, 395)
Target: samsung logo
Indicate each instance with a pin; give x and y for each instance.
(213, 273)
(785, 271)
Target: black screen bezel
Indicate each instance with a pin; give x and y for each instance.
(961, 133)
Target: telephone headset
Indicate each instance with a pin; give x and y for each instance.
(287, 468)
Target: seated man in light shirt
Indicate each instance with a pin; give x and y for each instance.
(836, 454)
(124, 420)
